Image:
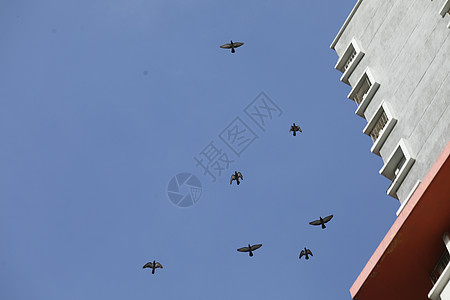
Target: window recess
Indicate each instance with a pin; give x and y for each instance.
(440, 267)
(349, 60)
(380, 126)
(364, 91)
(397, 167)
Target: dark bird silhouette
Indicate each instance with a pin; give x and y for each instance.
(236, 177)
(305, 252)
(249, 249)
(322, 221)
(153, 265)
(232, 45)
(295, 128)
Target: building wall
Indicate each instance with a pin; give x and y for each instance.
(445, 295)
(407, 47)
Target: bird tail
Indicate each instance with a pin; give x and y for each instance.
(295, 133)
(153, 271)
(237, 182)
(251, 253)
(232, 50)
(323, 226)
(307, 257)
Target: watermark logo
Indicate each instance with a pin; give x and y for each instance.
(214, 160)
(184, 190)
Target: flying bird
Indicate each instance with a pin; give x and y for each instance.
(295, 128)
(322, 221)
(232, 45)
(305, 252)
(153, 265)
(249, 249)
(236, 177)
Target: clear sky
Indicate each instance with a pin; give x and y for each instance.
(103, 102)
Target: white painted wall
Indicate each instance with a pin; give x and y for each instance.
(445, 295)
(407, 45)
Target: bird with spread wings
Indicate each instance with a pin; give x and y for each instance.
(305, 253)
(152, 265)
(231, 45)
(250, 249)
(322, 221)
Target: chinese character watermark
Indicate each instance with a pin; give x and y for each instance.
(262, 109)
(213, 160)
(238, 136)
(184, 189)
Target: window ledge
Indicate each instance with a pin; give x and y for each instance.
(445, 8)
(363, 105)
(408, 197)
(440, 284)
(351, 67)
(342, 60)
(392, 190)
(375, 149)
(400, 151)
(370, 93)
(383, 136)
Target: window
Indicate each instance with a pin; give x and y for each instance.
(364, 91)
(397, 170)
(380, 126)
(348, 61)
(440, 267)
(397, 167)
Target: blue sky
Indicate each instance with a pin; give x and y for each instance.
(103, 102)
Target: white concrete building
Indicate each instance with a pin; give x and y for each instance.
(395, 56)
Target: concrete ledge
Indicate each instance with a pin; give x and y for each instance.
(349, 18)
(393, 188)
(408, 197)
(385, 131)
(435, 293)
(445, 8)
(391, 163)
(370, 93)
(353, 45)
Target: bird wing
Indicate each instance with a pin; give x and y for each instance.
(326, 219)
(232, 178)
(243, 249)
(257, 246)
(292, 129)
(226, 46)
(148, 265)
(158, 265)
(309, 252)
(302, 253)
(316, 222)
(240, 175)
(299, 129)
(237, 44)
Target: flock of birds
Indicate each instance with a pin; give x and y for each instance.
(238, 175)
(305, 252)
